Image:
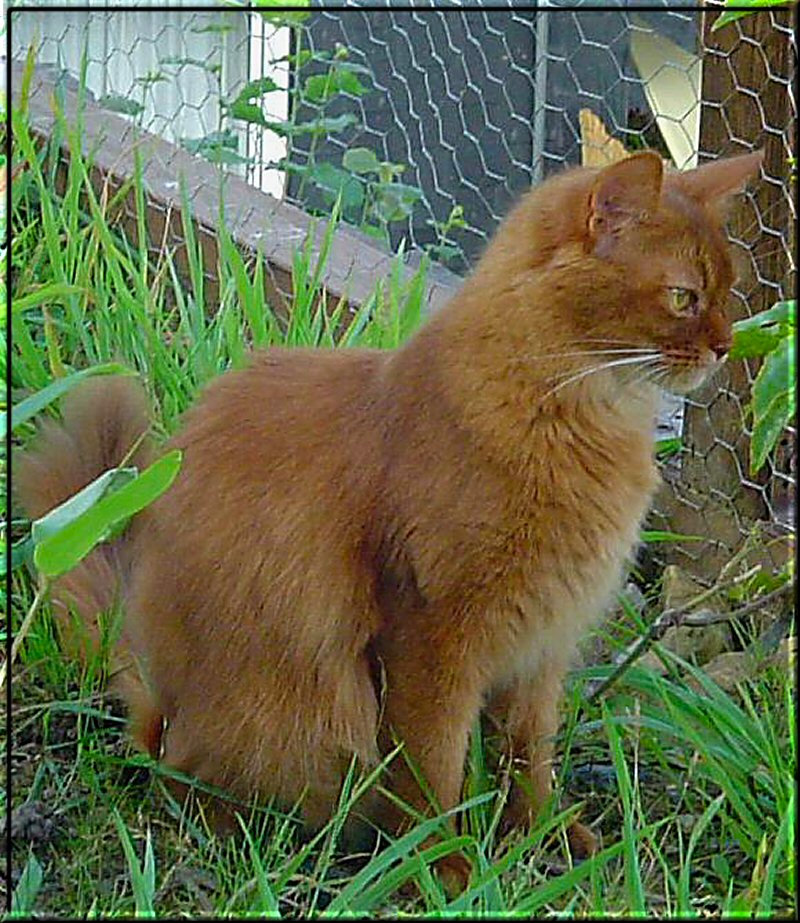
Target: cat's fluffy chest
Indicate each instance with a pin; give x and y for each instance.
(555, 611)
(575, 561)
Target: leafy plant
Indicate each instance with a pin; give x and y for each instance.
(771, 335)
(736, 9)
(369, 191)
(445, 247)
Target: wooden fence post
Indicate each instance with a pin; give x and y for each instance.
(747, 103)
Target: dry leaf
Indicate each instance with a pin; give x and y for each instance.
(598, 148)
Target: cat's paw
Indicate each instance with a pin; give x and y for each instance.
(582, 842)
(453, 872)
(519, 815)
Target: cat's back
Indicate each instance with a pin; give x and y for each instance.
(282, 392)
(289, 411)
(273, 459)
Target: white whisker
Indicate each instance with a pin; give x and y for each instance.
(651, 374)
(614, 340)
(631, 360)
(595, 352)
(658, 374)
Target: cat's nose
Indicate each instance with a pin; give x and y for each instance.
(720, 351)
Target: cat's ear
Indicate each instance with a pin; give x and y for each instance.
(715, 182)
(624, 193)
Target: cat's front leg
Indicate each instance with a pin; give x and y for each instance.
(432, 699)
(526, 714)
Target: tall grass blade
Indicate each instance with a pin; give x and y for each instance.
(633, 875)
(142, 878)
(266, 905)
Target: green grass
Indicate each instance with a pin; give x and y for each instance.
(693, 789)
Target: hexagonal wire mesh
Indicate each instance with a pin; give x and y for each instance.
(475, 105)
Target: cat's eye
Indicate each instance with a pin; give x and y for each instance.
(683, 302)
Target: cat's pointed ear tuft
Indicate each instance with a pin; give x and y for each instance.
(624, 193)
(715, 182)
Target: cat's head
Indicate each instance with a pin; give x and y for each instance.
(661, 267)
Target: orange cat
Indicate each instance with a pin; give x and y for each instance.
(367, 545)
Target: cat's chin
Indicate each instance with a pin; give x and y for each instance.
(683, 381)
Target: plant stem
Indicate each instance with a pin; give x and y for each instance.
(24, 627)
(670, 618)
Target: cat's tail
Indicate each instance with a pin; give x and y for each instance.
(105, 421)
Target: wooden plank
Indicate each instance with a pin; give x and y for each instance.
(255, 220)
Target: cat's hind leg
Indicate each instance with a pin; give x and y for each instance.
(432, 700)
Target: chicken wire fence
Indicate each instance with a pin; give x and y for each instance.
(427, 124)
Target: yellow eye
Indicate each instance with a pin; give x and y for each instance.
(683, 302)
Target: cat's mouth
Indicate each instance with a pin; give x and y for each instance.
(684, 373)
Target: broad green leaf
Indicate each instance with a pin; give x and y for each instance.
(244, 107)
(350, 65)
(325, 126)
(75, 506)
(768, 427)
(28, 408)
(754, 341)
(444, 252)
(216, 147)
(283, 16)
(776, 375)
(27, 889)
(396, 201)
(247, 112)
(361, 160)
(62, 551)
(782, 312)
(337, 183)
(224, 155)
(734, 10)
(214, 139)
(319, 88)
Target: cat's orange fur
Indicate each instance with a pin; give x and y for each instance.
(364, 546)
